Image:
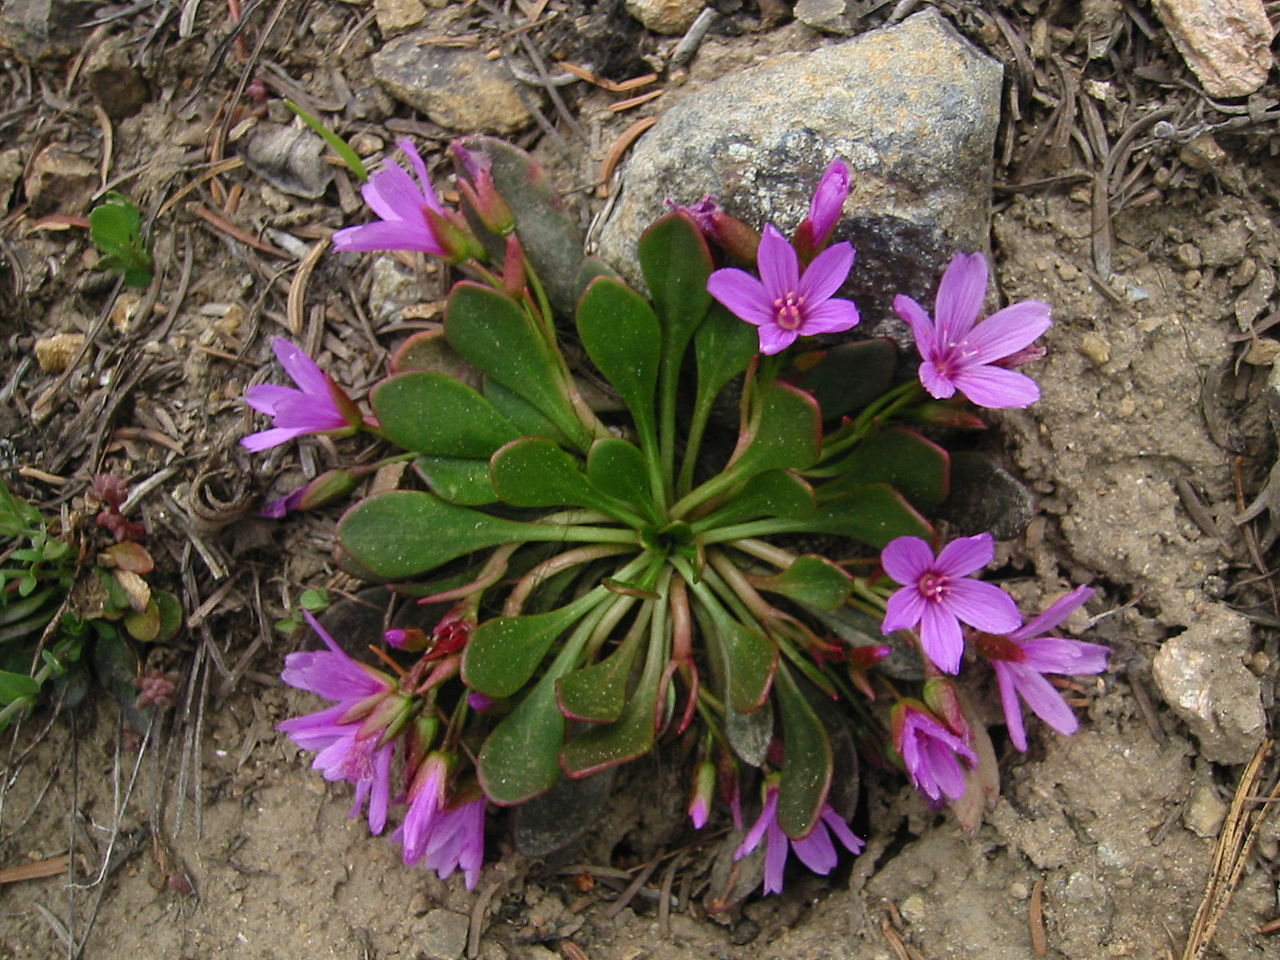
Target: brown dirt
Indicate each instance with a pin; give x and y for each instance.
(214, 838)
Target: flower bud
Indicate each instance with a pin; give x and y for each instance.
(941, 697)
(408, 639)
(943, 413)
(737, 238)
(454, 236)
(824, 211)
(704, 785)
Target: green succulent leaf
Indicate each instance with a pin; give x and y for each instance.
(547, 228)
(750, 660)
(750, 733)
(618, 469)
(851, 375)
(607, 745)
(786, 437)
(492, 333)
(459, 480)
(723, 346)
(527, 418)
(14, 686)
(812, 580)
(521, 757)
(806, 766)
(875, 514)
(405, 533)
(915, 466)
(774, 493)
(435, 414)
(504, 652)
(115, 228)
(535, 472)
(598, 693)
(676, 263)
(621, 334)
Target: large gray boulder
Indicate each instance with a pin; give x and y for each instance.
(912, 107)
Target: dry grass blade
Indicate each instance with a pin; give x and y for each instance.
(230, 229)
(1035, 918)
(1239, 833)
(298, 288)
(613, 156)
(35, 871)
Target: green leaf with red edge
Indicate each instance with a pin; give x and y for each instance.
(433, 413)
(723, 346)
(786, 436)
(806, 763)
(521, 757)
(548, 230)
(851, 375)
(875, 514)
(607, 745)
(492, 332)
(676, 262)
(750, 660)
(402, 534)
(617, 468)
(535, 472)
(528, 420)
(622, 336)
(504, 652)
(812, 580)
(774, 493)
(598, 693)
(914, 465)
(457, 479)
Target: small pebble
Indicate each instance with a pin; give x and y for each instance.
(913, 908)
(54, 354)
(1189, 256)
(1096, 348)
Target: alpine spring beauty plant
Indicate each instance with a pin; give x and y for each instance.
(716, 555)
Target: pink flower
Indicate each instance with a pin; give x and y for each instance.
(961, 354)
(930, 752)
(825, 208)
(447, 836)
(1021, 658)
(816, 851)
(347, 737)
(783, 303)
(319, 406)
(938, 593)
(405, 208)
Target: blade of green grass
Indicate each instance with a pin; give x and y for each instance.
(340, 146)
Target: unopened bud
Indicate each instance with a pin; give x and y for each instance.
(455, 237)
(704, 785)
(408, 639)
(940, 696)
(941, 413)
(326, 488)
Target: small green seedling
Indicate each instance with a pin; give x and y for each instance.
(312, 601)
(115, 227)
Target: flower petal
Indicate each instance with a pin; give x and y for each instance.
(1054, 614)
(304, 371)
(778, 264)
(841, 829)
(932, 379)
(903, 610)
(1009, 701)
(773, 339)
(775, 858)
(960, 296)
(742, 294)
(389, 235)
(830, 316)
(406, 147)
(1009, 330)
(1043, 698)
(265, 397)
(982, 605)
(914, 316)
(266, 439)
(997, 388)
(392, 194)
(906, 559)
(966, 555)
(816, 851)
(1071, 658)
(940, 636)
(824, 275)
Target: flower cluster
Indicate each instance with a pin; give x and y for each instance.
(621, 584)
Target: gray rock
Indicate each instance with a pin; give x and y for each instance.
(456, 88)
(1202, 676)
(443, 935)
(39, 29)
(290, 158)
(1226, 43)
(115, 82)
(829, 16)
(666, 16)
(985, 497)
(913, 108)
